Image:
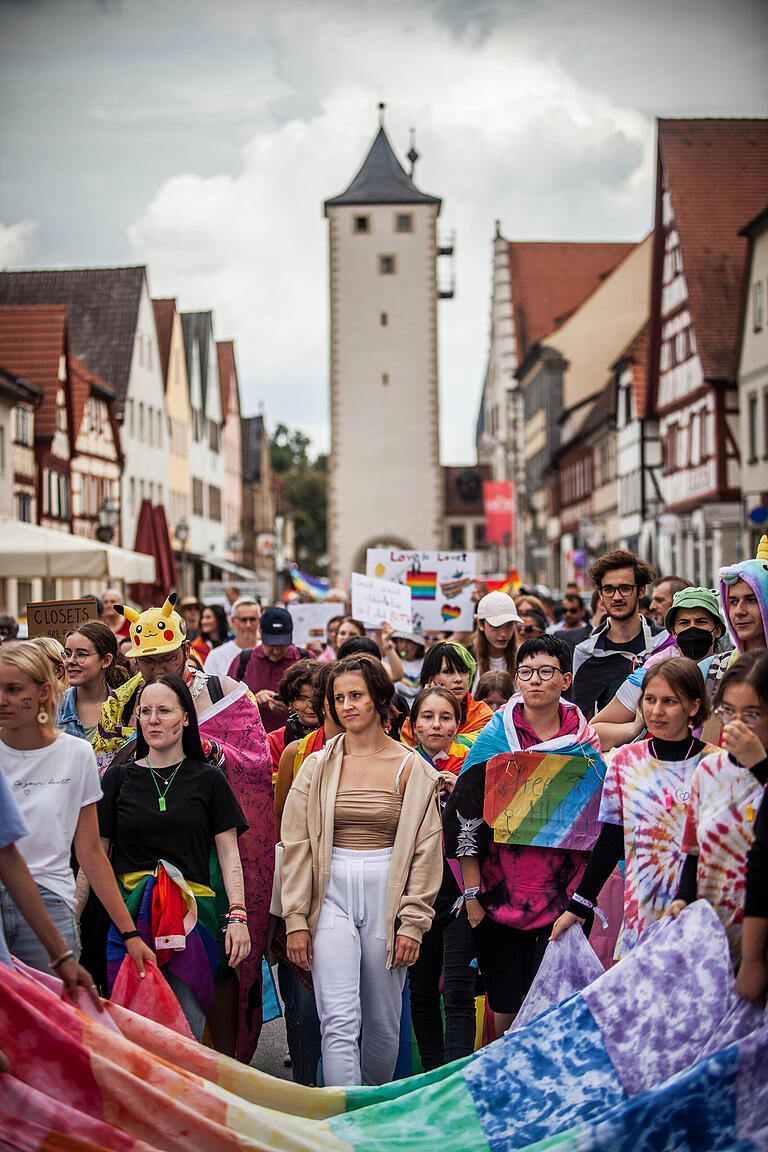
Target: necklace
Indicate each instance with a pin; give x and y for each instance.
(161, 795)
(667, 794)
(362, 755)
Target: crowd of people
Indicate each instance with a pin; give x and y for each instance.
(388, 819)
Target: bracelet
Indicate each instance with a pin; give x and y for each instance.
(471, 893)
(240, 908)
(68, 955)
(129, 935)
(593, 907)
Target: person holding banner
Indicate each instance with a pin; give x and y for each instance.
(521, 820)
(644, 803)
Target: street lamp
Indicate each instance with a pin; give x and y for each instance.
(109, 514)
(181, 532)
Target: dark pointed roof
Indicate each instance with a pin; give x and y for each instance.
(102, 313)
(198, 326)
(382, 180)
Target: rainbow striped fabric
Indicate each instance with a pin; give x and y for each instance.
(656, 1054)
(423, 585)
(309, 585)
(544, 799)
(453, 588)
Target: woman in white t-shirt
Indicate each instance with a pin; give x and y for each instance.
(55, 783)
(495, 641)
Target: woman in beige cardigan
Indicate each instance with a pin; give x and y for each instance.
(363, 862)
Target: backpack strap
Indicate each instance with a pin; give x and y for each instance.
(215, 690)
(245, 656)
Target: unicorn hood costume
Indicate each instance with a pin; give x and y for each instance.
(755, 574)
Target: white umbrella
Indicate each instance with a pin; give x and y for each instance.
(27, 551)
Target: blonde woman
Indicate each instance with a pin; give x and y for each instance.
(55, 783)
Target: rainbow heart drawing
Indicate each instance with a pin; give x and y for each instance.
(453, 588)
(450, 611)
(423, 585)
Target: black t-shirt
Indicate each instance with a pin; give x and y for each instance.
(199, 805)
(600, 677)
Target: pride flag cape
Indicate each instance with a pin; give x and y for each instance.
(658, 1054)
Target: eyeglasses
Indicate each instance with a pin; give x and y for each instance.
(544, 673)
(246, 619)
(159, 661)
(611, 590)
(80, 656)
(750, 718)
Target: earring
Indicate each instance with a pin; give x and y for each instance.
(42, 716)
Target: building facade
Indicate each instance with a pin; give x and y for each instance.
(753, 387)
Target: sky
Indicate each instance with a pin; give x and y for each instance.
(201, 137)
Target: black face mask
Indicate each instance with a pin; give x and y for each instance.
(695, 643)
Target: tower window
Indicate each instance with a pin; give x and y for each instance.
(385, 377)
(386, 265)
(362, 223)
(404, 223)
(384, 319)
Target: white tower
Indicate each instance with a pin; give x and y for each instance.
(384, 482)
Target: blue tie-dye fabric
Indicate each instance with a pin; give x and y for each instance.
(544, 1078)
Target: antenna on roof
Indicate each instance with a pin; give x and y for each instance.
(382, 106)
(413, 154)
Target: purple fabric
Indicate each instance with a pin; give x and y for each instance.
(659, 1007)
(569, 965)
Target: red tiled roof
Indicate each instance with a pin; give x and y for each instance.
(225, 350)
(165, 310)
(32, 341)
(717, 173)
(550, 279)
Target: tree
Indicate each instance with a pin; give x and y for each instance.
(304, 488)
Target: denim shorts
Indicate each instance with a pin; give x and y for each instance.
(21, 940)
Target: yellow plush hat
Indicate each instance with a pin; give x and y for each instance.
(156, 630)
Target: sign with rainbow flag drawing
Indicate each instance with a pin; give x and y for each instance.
(544, 799)
(441, 585)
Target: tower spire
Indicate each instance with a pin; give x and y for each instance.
(382, 106)
(412, 153)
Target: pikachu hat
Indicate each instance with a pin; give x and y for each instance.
(156, 630)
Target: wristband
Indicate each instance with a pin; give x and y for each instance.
(129, 935)
(576, 899)
(68, 955)
(471, 893)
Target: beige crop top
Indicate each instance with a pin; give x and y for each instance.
(367, 818)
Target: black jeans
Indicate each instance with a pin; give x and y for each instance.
(302, 1026)
(448, 947)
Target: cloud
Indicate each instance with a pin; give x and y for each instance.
(500, 136)
(14, 244)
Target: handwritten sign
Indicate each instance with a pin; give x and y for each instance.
(544, 799)
(441, 585)
(310, 621)
(58, 618)
(375, 600)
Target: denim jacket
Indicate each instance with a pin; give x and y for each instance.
(67, 717)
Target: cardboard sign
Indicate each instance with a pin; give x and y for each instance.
(310, 621)
(544, 799)
(441, 585)
(375, 600)
(58, 618)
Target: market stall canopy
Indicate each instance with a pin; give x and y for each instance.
(27, 551)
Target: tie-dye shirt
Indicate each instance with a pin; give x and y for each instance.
(719, 829)
(648, 798)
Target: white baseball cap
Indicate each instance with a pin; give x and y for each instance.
(498, 608)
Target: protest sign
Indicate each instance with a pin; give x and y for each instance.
(310, 621)
(57, 618)
(441, 585)
(544, 799)
(375, 600)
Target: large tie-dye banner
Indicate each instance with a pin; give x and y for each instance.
(656, 1055)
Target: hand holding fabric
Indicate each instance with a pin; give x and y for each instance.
(140, 953)
(564, 921)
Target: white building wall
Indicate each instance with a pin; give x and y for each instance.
(385, 483)
(753, 392)
(144, 428)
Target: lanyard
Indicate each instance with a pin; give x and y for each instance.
(162, 795)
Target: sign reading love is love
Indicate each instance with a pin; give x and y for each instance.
(441, 585)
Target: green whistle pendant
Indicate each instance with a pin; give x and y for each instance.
(161, 803)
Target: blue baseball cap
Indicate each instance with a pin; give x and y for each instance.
(276, 626)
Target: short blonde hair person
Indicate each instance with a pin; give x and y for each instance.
(54, 650)
(29, 658)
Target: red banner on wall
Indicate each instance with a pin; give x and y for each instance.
(499, 509)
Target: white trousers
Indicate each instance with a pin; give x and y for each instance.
(358, 998)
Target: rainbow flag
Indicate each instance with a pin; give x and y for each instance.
(510, 583)
(544, 799)
(655, 1054)
(310, 585)
(423, 585)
